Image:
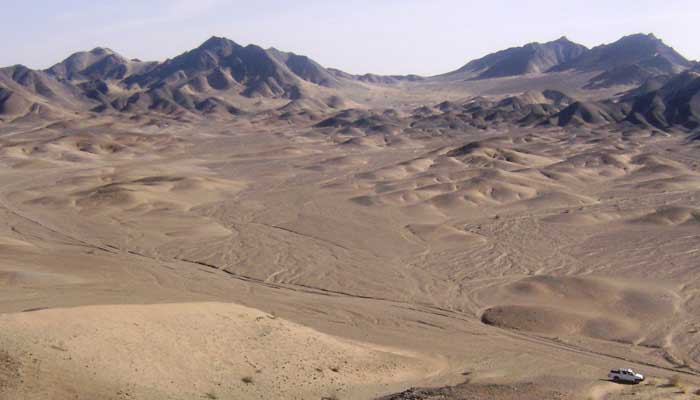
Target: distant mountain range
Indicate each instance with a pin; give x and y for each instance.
(202, 80)
(528, 59)
(671, 105)
(642, 55)
(217, 77)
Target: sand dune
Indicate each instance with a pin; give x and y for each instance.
(189, 351)
(484, 178)
(671, 216)
(580, 306)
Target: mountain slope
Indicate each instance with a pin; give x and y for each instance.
(531, 58)
(305, 68)
(98, 63)
(11, 103)
(204, 80)
(623, 75)
(225, 65)
(677, 103)
(645, 51)
(39, 87)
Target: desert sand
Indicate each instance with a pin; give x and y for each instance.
(141, 261)
(361, 238)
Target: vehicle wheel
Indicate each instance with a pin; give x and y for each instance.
(616, 379)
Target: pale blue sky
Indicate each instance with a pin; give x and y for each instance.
(381, 36)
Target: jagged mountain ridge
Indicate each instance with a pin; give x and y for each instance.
(225, 65)
(98, 63)
(209, 79)
(204, 80)
(531, 58)
(645, 51)
(201, 80)
(630, 60)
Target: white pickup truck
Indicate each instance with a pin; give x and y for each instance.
(625, 375)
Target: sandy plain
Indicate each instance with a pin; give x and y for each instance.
(267, 258)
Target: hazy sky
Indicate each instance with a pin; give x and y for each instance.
(381, 36)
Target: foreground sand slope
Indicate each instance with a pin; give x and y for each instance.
(188, 351)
